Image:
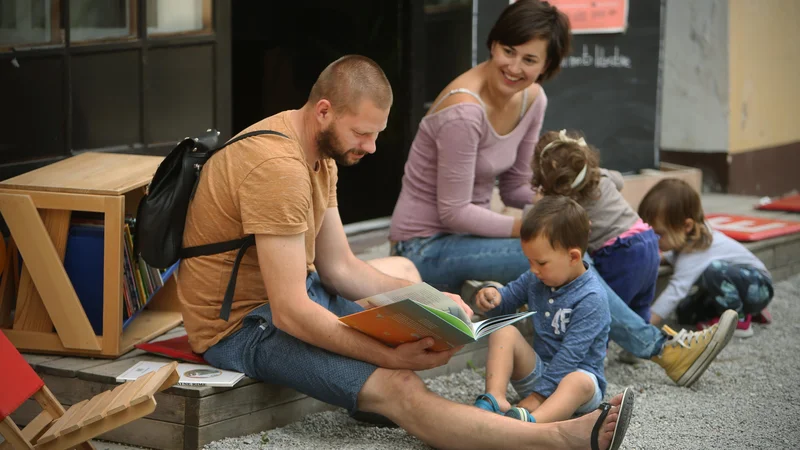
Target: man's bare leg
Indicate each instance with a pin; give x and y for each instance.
(402, 397)
(574, 390)
(398, 267)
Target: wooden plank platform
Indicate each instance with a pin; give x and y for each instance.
(188, 417)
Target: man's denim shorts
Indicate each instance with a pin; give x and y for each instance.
(524, 387)
(265, 353)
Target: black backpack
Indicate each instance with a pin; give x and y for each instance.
(161, 215)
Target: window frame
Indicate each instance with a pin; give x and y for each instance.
(207, 20)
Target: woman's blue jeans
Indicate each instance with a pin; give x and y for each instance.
(445, 261)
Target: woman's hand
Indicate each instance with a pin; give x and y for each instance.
(488, 298)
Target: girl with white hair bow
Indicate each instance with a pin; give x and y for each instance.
(623, 247)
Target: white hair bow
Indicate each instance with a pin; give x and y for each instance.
(564, 139)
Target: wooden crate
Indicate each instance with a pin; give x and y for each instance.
(37, 207)
(637, 186)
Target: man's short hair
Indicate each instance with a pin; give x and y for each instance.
(348, 80)
(559, 219)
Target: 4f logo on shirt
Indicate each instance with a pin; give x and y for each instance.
(560, 320)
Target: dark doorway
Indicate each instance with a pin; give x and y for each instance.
(279, 48)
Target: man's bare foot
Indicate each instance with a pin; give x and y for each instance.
(577, 433)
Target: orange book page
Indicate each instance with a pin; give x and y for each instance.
(403, 322)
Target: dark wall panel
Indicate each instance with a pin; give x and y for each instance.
(179, 92)
(448, 34)
(608, 89)
(32, 115)
(105, 100)
(275, 63)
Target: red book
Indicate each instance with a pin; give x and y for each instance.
(177, 348)
(748, 229)
(790, 203)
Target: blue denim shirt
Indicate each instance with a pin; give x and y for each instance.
(570, 326)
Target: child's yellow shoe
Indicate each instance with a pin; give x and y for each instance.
(687, 354)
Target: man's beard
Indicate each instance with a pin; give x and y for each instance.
(330, 146)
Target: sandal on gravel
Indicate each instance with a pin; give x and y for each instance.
(520, 413)
(625, 413)
(487, 402)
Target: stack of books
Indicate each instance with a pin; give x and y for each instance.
(85, 266)
(141, 280)
(191, 374)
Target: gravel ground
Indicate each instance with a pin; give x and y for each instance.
(748, 399)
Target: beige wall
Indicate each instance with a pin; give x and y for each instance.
(764, 55)
(694, 105)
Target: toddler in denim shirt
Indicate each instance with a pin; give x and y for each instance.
(562, 374)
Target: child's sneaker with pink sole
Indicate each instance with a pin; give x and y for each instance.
(764, 317)
(744, 328)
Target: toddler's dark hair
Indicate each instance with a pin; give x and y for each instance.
(561, 220)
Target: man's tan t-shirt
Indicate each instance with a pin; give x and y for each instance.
(260, 185)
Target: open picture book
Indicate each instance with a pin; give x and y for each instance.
(411, 313)
(191, 374)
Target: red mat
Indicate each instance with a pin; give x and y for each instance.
(790, 203)
(177, 348)
(748, 229)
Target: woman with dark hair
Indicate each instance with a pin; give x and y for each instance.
(482, 129)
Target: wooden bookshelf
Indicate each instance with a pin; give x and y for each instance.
(37, 207)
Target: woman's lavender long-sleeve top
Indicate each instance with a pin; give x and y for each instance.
(454, 161)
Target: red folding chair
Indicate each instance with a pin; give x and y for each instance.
(55, 428)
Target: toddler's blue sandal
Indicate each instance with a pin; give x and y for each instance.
(487, 402)
(520, 413)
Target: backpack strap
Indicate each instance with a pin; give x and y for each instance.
(211, 153)
(250, 134)
(227, 301)
(212, 249)
(221, 247)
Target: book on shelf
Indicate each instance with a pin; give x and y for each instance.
(141, 280)
(190, 374)
(84, 264)
(414, 312)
